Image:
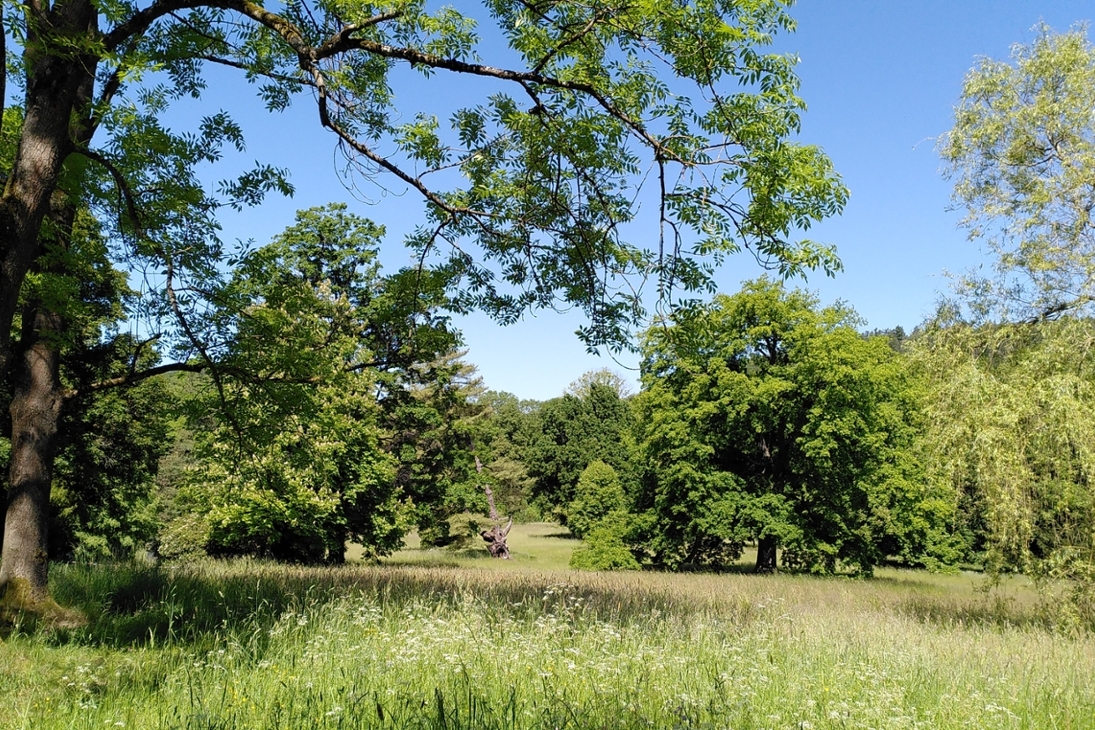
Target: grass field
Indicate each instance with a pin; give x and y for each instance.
(432, 639)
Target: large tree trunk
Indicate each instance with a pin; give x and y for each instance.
(766, 555)
(35, 411)
(57, 85)
(53, 86)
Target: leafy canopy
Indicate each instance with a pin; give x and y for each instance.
(1022, 155)
(765, 417)
(530, 190)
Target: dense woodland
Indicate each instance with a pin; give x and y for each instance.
(290, 399)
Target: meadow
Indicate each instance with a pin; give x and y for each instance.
(443, 639)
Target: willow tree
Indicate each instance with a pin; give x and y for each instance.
(528, 189)
(1011, 364)
(1008, 434)
(1022, 157)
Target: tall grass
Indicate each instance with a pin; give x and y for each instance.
(481, 645)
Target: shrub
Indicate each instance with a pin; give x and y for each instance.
(598, 494)
(604, 547)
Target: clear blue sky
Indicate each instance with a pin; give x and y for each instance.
(880, 78)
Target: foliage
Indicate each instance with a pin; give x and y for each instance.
(110, 440)
(598, 494)
(104, 479)
(431, 421)
(764, 417)
(539, 176)
(573, 433)
(297, 464)
(605, 547)
(505, 436)
(1011, 390)
(1009, 430)
(1022, 154)
(305, 489)
(584, 384)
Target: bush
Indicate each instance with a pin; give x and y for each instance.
(184, 537)
(598, 494)
(604, 548)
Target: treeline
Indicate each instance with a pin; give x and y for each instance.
(764, 418)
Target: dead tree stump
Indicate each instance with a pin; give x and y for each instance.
(495, 537)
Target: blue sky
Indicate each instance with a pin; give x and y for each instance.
(880, 77)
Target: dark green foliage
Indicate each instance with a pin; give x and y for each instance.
(538, 178)
(105, 474)
(766, 418)
(432, 422)
(574, 432)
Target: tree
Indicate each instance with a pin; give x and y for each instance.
(432, 421)
(543, 176)
(766, 418)
(335, 412)
(573, 433)
(582, 386)
(1022, 155)
(1010, 396)
(104, 489)
(597, 495)
(1008, 433)
(504, 439)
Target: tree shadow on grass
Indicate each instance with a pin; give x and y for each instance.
(203, 605)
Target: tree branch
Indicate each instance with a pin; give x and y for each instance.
(134, 377)
(415, 57)
(123, 188)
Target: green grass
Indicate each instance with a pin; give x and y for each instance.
(437, 640)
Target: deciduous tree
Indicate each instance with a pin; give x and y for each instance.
(528, 192)
(1022, 157)
(767, 418)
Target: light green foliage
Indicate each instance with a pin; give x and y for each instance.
(316, 480)
(610, 378)
(1009, 432)
(1011, 404)
(597, 494)
(765, 417)
(604, 547)
(1022, 154)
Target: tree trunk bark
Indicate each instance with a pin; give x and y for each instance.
(58, 83)
(35, 411)
(766, 555)
(53, 86)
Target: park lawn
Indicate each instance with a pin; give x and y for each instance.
(431, 639)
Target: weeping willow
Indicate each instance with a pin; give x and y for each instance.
(1010, 431)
